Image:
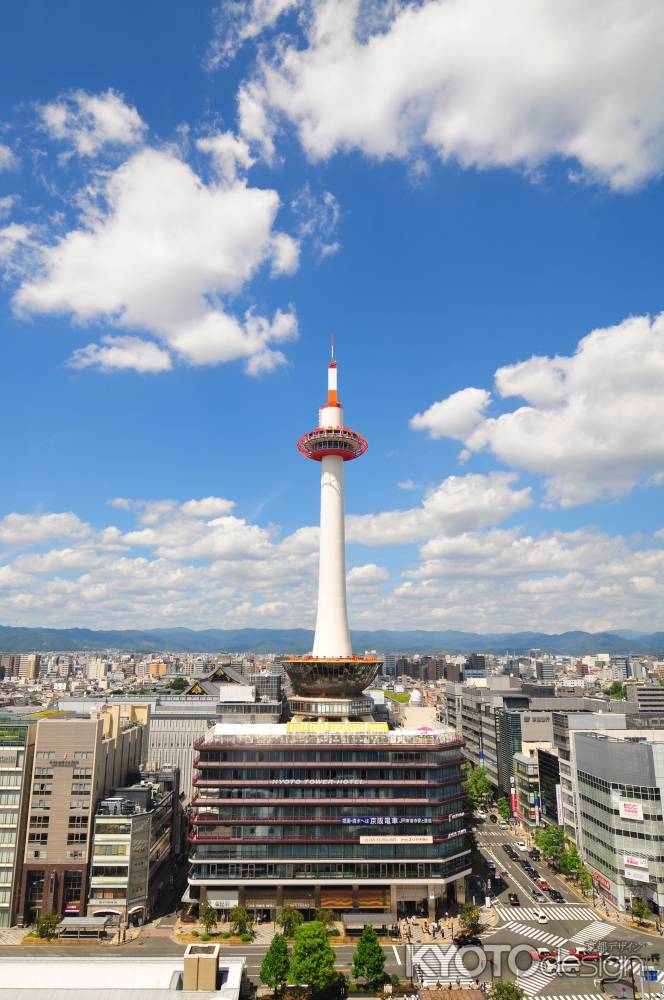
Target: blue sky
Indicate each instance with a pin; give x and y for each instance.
(195, 197)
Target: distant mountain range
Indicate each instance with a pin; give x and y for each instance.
(299, 640)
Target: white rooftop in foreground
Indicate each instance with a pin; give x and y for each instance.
(99, 977)
(425, 729)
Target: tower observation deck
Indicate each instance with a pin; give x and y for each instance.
(330, 682)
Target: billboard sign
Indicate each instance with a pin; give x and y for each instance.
(630, 810)
(414, 839)
(634, 861)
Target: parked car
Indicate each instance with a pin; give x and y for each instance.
(544, 885)
(544, 954)
(535, 875)
(534, 854)
(539, 896)
(514, 899)
(521, 844)
(557, 896)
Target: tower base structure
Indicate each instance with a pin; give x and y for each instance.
(331, 687)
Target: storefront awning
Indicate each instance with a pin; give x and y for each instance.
(373, 919)
(222, 898)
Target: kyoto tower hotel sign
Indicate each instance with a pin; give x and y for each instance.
(332, 671)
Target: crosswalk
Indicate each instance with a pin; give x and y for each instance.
(535, 933)
(534, 980)
(566, 913)
(596, 931)
(434, 963)
(575, 996)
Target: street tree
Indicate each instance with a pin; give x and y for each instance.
(469, 916)
(241, 920)
(275, 965)
(47, 925)
(570, 861)
(208, 917)
(640, 910)
(312, 961)
(369, 957)
(477, 786)
(289, 919)
(326, 917)
(503, 807)
(584, 879)
(505, 991)
(551, 841)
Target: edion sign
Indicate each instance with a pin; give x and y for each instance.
(630, 810)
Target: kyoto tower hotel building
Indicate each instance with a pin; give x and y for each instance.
(331, 809)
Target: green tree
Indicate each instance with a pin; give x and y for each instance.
(570, 861)
(275, 965)
(327, 917)
(312, 961)
(616, 691)
(584, 879)
(241, 920)
(640, 910)
(178, 684)
(469, 917)
(369, 957)
(505, 991)
(503, 807)
(289, 919)
(551, 841)
(208, 917)
(47, 925)
(477, 786)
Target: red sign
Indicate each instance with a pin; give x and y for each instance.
(600, 878)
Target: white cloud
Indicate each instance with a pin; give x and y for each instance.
(7, 203)
(122, 353)
(593, 425)
(458, 504)
(487, 84)
(88, 122)
(239, 21)
(319, 219)
(33, 529)
(207, 507)
(366, 576)
(408, 484)
(8, 159)
(455, 416)
(231, 155)
(161, 256)
(12, 238)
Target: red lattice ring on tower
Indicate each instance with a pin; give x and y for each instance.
(340, 441)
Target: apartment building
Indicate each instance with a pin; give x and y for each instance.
(76, 762)
(17, 743)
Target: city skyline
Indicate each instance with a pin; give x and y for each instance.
(491, 271)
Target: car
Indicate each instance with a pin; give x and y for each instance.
(494, 819)
(534, 854)
(544, 954)
(539, 896)
(535, 875)
(465, 939)
(503, 825)
(542, 918)
(514, 899)
(557, 896)
(521, 844)
(586, 954)
(544, 885)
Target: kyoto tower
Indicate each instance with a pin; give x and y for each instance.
(330, 682)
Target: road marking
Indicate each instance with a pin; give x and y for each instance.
(534, 980)
(596, 931)
(535, 934)
(434, 963)
(396, 954)
(566, 913)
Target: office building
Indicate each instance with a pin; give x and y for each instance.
(649, 697)
(332, 809)
(136, 846)
(76, 762)
(28, 666)
(548, 765)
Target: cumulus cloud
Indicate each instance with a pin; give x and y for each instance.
(193, 563)
(593, 423)
(159, 251)
(458, 504)
(455, 416)
(88, 122)
(319, 217)
(118, 353)
(484, 83)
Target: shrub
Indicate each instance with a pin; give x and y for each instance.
(245, 937)
(226, 934)
(194, 934)
(205, 937)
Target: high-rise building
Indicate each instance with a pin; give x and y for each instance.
(28, 665)
(76, 762)
(333, 808)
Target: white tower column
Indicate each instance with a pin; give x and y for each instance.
(332, 636)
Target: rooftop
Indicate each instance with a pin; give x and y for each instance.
(327, 732)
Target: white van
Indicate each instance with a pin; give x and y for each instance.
(562, 965)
